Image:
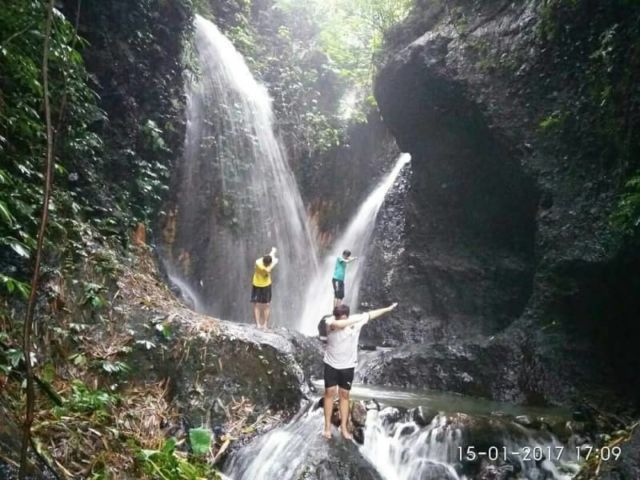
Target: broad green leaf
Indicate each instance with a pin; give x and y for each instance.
(14, 356)
(23, 288)
(6, 214)
(20, 249)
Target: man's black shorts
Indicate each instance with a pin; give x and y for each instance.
(338, 288)
(341, 377)
(261, 294)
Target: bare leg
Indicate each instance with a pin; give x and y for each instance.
(329, 394)
(261, 315)
(344, 414)
(266, 312)
(256, 314)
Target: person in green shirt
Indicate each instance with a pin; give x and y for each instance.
(338, 276)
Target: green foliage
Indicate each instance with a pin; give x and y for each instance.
(554, 121)
(22, 130)
(135, 55)
(10, 358)
(167, 464)
(86, 400)
(12, 285)
(590, 59)
(627, 214)
(92, 295)
(318, 59)
(351, 34)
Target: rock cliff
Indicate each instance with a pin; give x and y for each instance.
(507, 212)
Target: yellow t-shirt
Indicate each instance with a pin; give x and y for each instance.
(261, 276)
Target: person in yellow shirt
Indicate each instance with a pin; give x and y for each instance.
(261, 288)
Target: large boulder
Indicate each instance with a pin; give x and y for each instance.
(485, 369)
(212, 364)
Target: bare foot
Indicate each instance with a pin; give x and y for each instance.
(326, 434)
(346, 435)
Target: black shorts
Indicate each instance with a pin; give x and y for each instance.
(261, 294)
(338, 288)
(341, 377)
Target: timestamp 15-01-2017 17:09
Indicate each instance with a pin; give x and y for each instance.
(538, 453)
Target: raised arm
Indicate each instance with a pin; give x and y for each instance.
(274, 260)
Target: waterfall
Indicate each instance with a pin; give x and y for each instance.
(236, 195)
(357, 238)
(185, 292)
(281, 453)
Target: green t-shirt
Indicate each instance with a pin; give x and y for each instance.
(340, 270)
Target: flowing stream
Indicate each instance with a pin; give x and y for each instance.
(237, 196)
(400, 444)
(357, 238)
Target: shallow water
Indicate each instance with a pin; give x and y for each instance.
(446, 402)
(397, 448)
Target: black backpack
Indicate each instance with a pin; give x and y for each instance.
(322, 328)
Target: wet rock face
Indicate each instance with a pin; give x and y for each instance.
(507, 228)
(488, 370)
(467, 266)
(335, 183)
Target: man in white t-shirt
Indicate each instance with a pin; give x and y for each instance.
(340, 360)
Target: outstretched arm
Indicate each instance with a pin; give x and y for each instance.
(381, 311)
(351, 259)
(340, 324)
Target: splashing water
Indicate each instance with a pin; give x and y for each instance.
(402, 450)
(280, 453)
(237, 196)
(357, 238)
(399, 449)
(186, 292)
